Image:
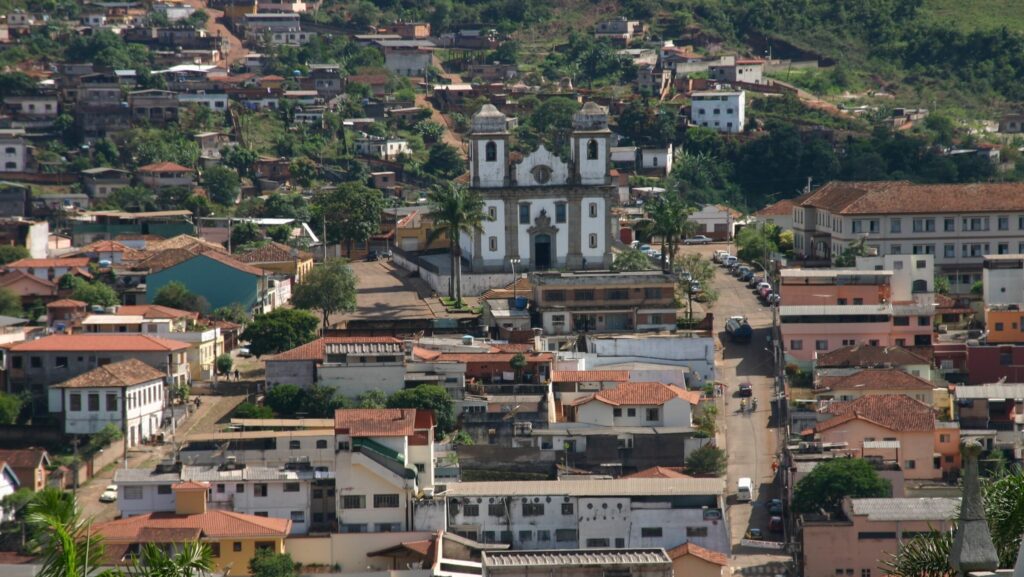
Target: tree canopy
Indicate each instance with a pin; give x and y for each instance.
(222, 184)
(825, 486)
(707, 461)
(431, 397)
(280, 330)
(631, 260)
(329, 288)
(177, 296)
(352, 212)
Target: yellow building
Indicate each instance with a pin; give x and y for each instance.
(235, 10)
(275, 257)
(409, 231)
(233, 538)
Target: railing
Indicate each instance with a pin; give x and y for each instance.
(384, 456)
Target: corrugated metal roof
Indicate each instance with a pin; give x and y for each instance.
(248, 435)
(991, 391)
(284, 423)
(575, 557)
(907, 508)
(590, 488)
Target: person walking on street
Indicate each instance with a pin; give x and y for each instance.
(237, 375)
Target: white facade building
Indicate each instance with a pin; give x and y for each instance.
(543, 210)
(216, 102)
(96, 398)
(720, 110)
(382, 148)
(14, 154)
(637, 404)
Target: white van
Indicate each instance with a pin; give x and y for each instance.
(744, 490)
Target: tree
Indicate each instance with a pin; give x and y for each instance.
(941, 284)
(11, 253)
(631, 260)
(848, 257)
(444, 162)
(280, 330)
(193, 559)
(67, 547)
(281, 233)
(240, 158)
(826, 485)
(328, 288)
(758, 243)
(10, 408)
(669, 213)
(224, 364)
(701, 270)
(285, 399)
(518, 363)
(177, 296)
(222, 184)
(304, 171)
(351, 211)
(267, 563)
(456, 210)
(707, 461)
(93, 293)
(372, 400)
(245, 232)
(10, 303)
(431, 397)
(252, 411)
(707, 424)
(233, 313)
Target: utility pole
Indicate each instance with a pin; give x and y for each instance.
(74, 476)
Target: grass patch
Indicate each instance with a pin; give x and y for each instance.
(968, 16)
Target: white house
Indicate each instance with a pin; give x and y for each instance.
(657, 159)
(217, 102)
(718, 109)
(382, 148)
(14, 154)
(96, 398)
(637, 405)
(716, 221)
(9, 483)
(546, 211)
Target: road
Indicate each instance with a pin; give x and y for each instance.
(751, 445)
(235, 51)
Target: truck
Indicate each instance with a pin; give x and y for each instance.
(738, 329)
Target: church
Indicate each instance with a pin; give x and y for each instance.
(545, 211)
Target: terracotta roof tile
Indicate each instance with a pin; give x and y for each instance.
(874, 380)
(189, 485)
(893, 412)
(375, 422)
(273, 252)
(589, 376)
(659, 473)
(425, 354)
(156, 312)
(643, 393)
(127, 253)
(314, 350)
(698, 552)
(23, 458)
(869, 356)
(214, 524)
(169, 534)
(120, 374)
(783, 207)
(164, 167)
(185, 241)
(82, 342)
(66, 303)
(49, 262)
(232, 262)
(903, 197)
(16, 275)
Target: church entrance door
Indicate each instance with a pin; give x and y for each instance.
(542, 251)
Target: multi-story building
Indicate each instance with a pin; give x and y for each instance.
(101, 182)
(591, 514)
(407, 57)
(738, 71)
(156, 107)
(128, 394)
(723, 111)
(353, 365)
(603, 301)
(620, 31)
(956, 223)
(166, 174)
(14, 154)
(882, 301)
(850, 386)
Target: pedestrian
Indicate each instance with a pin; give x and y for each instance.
(237, 375)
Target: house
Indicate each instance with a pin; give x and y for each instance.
(406, 30)
(890, 428)
(956, 223)
(215, 101)
(1003, 296)
(233, 538)
(738, 72)
(882, 301)
(63, 314)
(128, 394)
(1011, 123)
(695, 561)
(100, 183)
(385, 457)
(604, 301)
(218, 278)
(51, 269)
(990, 406)
(723, 111)
(353, 365)
(90, 226)
(496, 367)
(848, 387)
(620, 31)
(165, 174)
(779, 213)
(864, 356)
(15, 154)
(9, 483)
(15, 200)
(33, 235)
(108, 251)
(635, 404)
(589, 513)
(277, 258)
(716, 221)
(407, 57)
(657, 160)
(381, 147)
(210, 144)
(155, 107)
(579, 563)
(34, 107)
(38, 365)
(29, 466)
(29, 287)
(868, 531)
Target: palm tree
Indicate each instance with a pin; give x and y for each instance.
(455, 211)
(67, 546)
(193, 560)
(669, 214)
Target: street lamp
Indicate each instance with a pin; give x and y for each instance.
(514, 261)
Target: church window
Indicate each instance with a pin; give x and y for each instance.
(492, 213)
(654, 161)
(593, 240)
(492, 243)
(524, 213)
(593, 210)
(592, 149)
(560, 212)
(491, 151)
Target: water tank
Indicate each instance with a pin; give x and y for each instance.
(520, 303)
(467, 340)
(105, 263)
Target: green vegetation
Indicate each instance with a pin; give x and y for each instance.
(177, 296)
(10, 408)
(707, 461)
(431, 397)
(253, 411)
(267, 563)
(9, 252)
(824, 487)
(10, 303)
(92, 293)
(455, 210)
(631, 260)
(329, 288)
(110, 433)
(280, 330)
(224, 364)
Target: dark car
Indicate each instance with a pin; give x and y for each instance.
(775, 506)
(775, 524)
(372, 256)
(746, 275)
(746, 390)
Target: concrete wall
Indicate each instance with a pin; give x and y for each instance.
(473, 284)
(916, 446)
(352, 380)
(831, 547)
(697, 353)
(349, 549)
(301, 373)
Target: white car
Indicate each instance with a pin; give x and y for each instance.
(109, 494)
(699, 239)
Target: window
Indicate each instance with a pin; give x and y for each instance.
(388, 501)
(259, 490)
(652, 414)
(896, 249)
(294, 445)
(949, 224)
(616, 412)
(650, 531)
(565, 535)
(76, 401)
(1003, 224)
(901, 321)
(526, 535)
(1003, 248)
(560, 212)
(592, 210)
(858, 301)
(291, 487)
(592, 149)
(944, 438)
(796, 345)
(866, 535)
(533, 509)
(583, 295)
(491, 151)
(35, 362)
(163, 489)
(111, 401)
(220, 487)
(543, 535)
(496, 510)
(492, 243)
(132, 493)
(924, 225)
(617, 294)
(15, 362)
(298, 516)
(524, 214)
(923, 321)
(264, 545)
(630, 412)
(353, 502)
(471, 510)
(895, 225)
(910, 464)
(567, 508)
(598, 543)
(236, 546)
(924, 249)
(61, 362)
(554, 295)
(696, 531)
(821, 345)
(949, 251)
(214, 549)
(321, 444)
(592, 240)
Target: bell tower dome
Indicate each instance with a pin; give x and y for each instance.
(590, 145)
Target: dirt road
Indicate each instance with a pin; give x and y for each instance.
(235, 50)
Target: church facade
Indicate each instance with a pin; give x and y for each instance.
(547, 212)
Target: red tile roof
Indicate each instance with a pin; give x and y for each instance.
(589, 376)
(164, 167)
(869, 356)
(215, 524)
(23, 458)
(873, 380)
(121, 374)
(643, 393)
(273, 252)
(111, 246)
(49, 262)
(783, 207)
(156, 312)
(375, 422)
(659, 473)
(232, 262)
(893, 412)
(67, 303)
(425, 354)
(82, 342)
(16, 275)
(698, 552)
(189, 485)
(314, 350)
(903, 197)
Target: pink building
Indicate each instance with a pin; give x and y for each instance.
(884, 301)
(854, 544)
(888, 428)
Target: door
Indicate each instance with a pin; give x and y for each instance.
(542, 252)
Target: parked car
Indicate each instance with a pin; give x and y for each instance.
(699, 239)
(644, 248)
(775, 524)
(109, 495)
(775, 507)
(244, 352)
(746, 276)
(755, 280)
(773, 299)
(764, 291)
(372, 256)
(741, 270)
(763, 285)
(719, 255)
(754, 534)
(746, 390)
(730, 260)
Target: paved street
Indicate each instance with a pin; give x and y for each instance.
(750, 443)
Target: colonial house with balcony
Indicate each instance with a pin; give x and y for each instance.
(604, 301)
(848, 387)
(956, 223)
